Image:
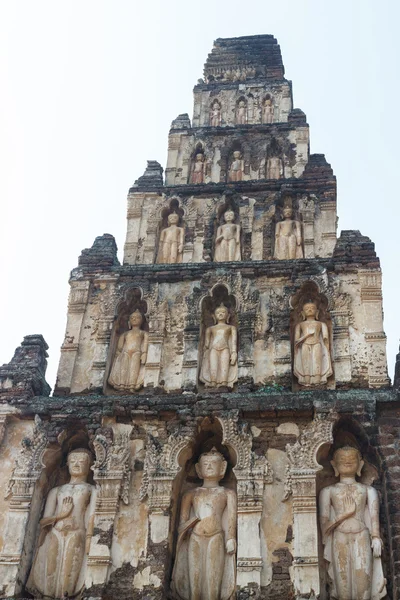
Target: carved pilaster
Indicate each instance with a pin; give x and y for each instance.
(301, 484)
(371, 299)
(158, 325)
(252, 473)
(342, 318)
(111, 472)
(20, 493)
(78, 298)
(307, 211)
(103, 329)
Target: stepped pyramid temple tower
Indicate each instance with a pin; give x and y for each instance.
(223, 425)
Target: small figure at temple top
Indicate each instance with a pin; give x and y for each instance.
(171, 241)
(349, 518)
(215, 114)
(241, 116)
(288, 237)
(274, 168)
(268, 111)
(205, 555)
(227, 243)
(198, 169)
(236, 168)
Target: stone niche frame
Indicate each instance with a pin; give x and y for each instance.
(173, 205)
(286, 199)
(227, 203)
(156, 314)
(301, 484)
(247, 304)
(163, 469)
(346, 431)
(38, 467)
(132, 300)
(310, 290)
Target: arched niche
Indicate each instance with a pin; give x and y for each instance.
(346, 432)
(241, 111)
(287, 247)
(218, 297)
(170, 241)
(210, 435)
(132, 302)
(309, 293)
(197, 172)
(267, 109)
(274, 164)
(47, 501)
(215, 113)
(233, 235)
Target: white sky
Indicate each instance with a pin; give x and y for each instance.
(89, 89)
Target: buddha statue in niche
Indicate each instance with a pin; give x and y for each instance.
(288, 238)
(204, 566)
(127, 372)
(241, 114)
(171, 241)
(215, 114)
(349, 519)
(65, 533)
(312, 360)
(236, 168)
(198, 169)
(219, 364)
(268, 111)
(274, 168)
(227, 242)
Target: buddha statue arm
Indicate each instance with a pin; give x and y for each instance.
(238, 234)
(220, 237)
(181, 239)
(145, 346)
(50, 518)
(120, 344)
(298, 338)
(90, 520)
(185, 509)
(324, 512)
(325, 335)
(230, 542)
(298, 233)
(208, 338)
(233, 345)
(373, 507)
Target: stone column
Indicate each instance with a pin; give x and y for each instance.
(157, 331)
(25, 505)
(328, 226)
(252, 473)
(301, 483)
(371, 299)
(341, 319)
(134, 216)
(160, 469)
(106, 285)
(307, 211)
(111, 472)
(78, 298)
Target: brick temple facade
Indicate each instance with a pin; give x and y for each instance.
(222, 425)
